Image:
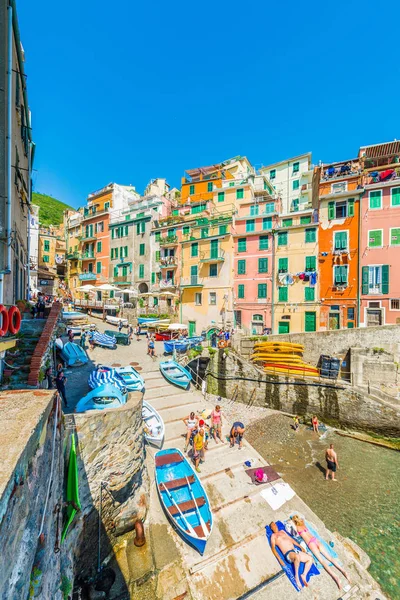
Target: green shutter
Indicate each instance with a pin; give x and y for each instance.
(239, 194)
(262, 290)
(141, 271)
(242, 244)
(112, 253)
(287, 222)
(311, 235)
(116, 252)
(305, 220)
(385, 279)
(309, 294)
(115, 271)
(222, 230)
(365, 280)
(267, 223)
(375, 238)
(282, 238)
(241, 290)
(283, 265)
(310, 321)
(250, 225)
(191, 190)
(98, 249)
(263, 242)
(209, 186)
(126, 251)
(395, 197)
(350, 207)
(221, 196)
(375, 199)
(263, 265)
(241, 267)
(186, 230)
(331, 210)
(194, 249)
(142, 249)
(98, 268)
(395, 237)
(283, 294)
(158, 236)
(340, 240)
(296, 184)
(158, 255)
(311, 263)
(153, 278)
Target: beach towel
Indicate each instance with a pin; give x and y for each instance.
(315, 533)
(277, 495)
(288, 568)
(269, 471)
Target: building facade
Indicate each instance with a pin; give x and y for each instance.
(292, 180)
(33, 248)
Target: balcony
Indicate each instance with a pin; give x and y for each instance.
(192, 282)
(170, 240)
(121, 279)
(168, 262)
(212, 256)
(87, 255)
(87, 276)
(73, 255)
(87, 238)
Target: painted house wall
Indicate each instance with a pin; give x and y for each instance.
(284, 178)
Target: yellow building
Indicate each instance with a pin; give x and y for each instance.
(72, 223)
(296, 287)
(51, 259)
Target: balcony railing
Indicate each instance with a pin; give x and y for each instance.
(87, 276)
(170, 262)
(121, 279)
(87, 255)
(170, 240)
(212, 256)
(73, 255)
(193, 281)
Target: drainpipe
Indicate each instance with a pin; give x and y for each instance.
(273, 285)
(7, 269)
(359, 286)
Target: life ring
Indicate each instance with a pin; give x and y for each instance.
(14, 320)
(222, 344)
(4, 323)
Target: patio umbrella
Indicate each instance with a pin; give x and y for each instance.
(176, 326)
(86, 288)
(168, 294)
(106, 287)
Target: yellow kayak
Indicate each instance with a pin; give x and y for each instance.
(306, 370)
(279, 345)
(268, 358)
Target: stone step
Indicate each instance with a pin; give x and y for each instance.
(177, 413)
(162, 391)
(172, 401)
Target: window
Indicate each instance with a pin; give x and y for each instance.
(305, 220)
(213, 270)
(311, 235)
(98, 247)
(116, 252)
(395, 304)
(242, 244)
(210, 186)
(295, 205)
(267, 223)
(241, 267)
(269, 207)
(98, 268)
(158, 236)
(46, 258)
(272, 174)
(125, 251)
(283, 265)
(240, 290)
(197, 298)
(126, 230)
(222, 230)
(191, 190)
(232, 184)
(295, 184)
(375, 199)
(395, 236)
(339, 187)
(254, 210)
(221, 196)
(141, 271)
(46, 246)
(112, 234)
(186, 230)
(204, 232)
(350, 314)
(395, 197)
(375, 279)
(287, 222)
(142, 249)
(263, 242)
(239, 194)
(340, 240)
(375, 238)
(194, 249)
(296, 167)
(158, 255)
(311, 263)
(155, 301)
(309, 294)
(212, 298)
(263, 265)
(340, 275)
(262, 290)
(282, 238)
(115, 271)
(106, 205)
(153, 278)
(250, 225)
(140, 227)
(283, 294)
(310, 323)
(341, 210)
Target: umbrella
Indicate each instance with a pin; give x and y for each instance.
(86, 288)
(174, 326)
(168, 294)
(106, 287)
(129, 291)
(146, 294)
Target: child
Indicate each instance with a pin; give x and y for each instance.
(296, 423)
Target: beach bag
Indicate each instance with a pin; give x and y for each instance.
(260, 476)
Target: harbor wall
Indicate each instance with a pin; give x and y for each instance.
(338, 404)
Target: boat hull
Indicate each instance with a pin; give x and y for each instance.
(74, 355)
(152, 420)
(113, 398)
(176, 374)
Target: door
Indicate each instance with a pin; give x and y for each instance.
(374, 317)
(334, 320)
(193, 275)
(283, 327)
(310, 323)
(214, 249)
(192, 328)
(257, 328)
(238, 318)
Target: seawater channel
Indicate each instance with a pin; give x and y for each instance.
(363, 505)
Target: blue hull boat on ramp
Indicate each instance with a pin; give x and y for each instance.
(176, 374)
(104, 396)
(183, 498)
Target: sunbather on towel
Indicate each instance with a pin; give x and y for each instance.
(318, 550)
(292, 552)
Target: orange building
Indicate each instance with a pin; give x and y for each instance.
(339, 207)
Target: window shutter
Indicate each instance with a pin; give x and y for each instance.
(241, 290)
(115, 271)
(385, 279)
(350, 207)
(112, 253)
(331, 210)
(365, 280)
(158, 255)
(344, 240)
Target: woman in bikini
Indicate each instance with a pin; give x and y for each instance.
(216, 424)
(318, 550)
(191, 423)
(315, 424)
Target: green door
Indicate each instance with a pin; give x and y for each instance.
(192, 328)
(334, 320)
(193, 275)
(283, 327)
(214, 249)
(310, 321)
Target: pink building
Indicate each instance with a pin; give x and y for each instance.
(380, 235)
(256, 217)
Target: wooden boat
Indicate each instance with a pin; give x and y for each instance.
(116, 320)
(154, 428)
(163, 336)
(73, 316)
(178, 345)
(73, 355)
(104, 396)
(176, 374)
(130, 378)
(183, 498)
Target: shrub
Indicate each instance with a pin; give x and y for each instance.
(212, 351)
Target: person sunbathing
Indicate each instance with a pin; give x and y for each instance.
(318, 550)
(293, 553)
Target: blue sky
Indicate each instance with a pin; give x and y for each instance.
(131, 91)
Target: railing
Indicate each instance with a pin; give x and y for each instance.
(193, 281)
(170, 261)
(170, 239)
(121, 279)
(166, 284)
(87, 255)
(73, 255)
(87, 276)
(87, 238)
(212, 256)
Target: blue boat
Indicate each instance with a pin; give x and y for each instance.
(178, 345)
(142, 320)
(130, 378)
(176, 374)
(101, 339)
(104, 396)
(124, 378)
(183, 498)
(73, 355)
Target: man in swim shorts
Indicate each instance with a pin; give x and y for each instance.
(331, 463)
(236, 434)
(292, 552)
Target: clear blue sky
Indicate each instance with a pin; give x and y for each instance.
(127, 91)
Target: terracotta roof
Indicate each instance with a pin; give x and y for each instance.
(203, 170)
(382, 149)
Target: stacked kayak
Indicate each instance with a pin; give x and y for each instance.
(283, 357)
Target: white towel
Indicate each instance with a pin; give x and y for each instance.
(277, 495)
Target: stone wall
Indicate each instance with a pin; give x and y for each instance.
(30, 566)
(369, 366)
(339, 405)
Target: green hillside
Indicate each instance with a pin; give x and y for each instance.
(51, 210)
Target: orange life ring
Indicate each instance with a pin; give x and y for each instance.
(14, 315)
(222, 344)
(4, 323)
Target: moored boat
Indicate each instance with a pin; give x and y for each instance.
(101, 339)
(176, 374)
(104, 396)
(73, 354)
(124, 378)
(183, 498)
(163, 336)
(154, 428)
(130, 378)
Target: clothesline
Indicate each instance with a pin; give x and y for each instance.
(291, 278)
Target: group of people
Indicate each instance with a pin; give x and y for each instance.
(331, 458)
(198, 432)
(221, 336)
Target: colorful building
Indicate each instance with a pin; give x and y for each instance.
(380, 235)
(338, 259)
(51, 259)
(72, 225)
(257, 207)
(292, 180)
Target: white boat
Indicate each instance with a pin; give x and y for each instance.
(154, 425)
(74, 316)
(116, 321)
